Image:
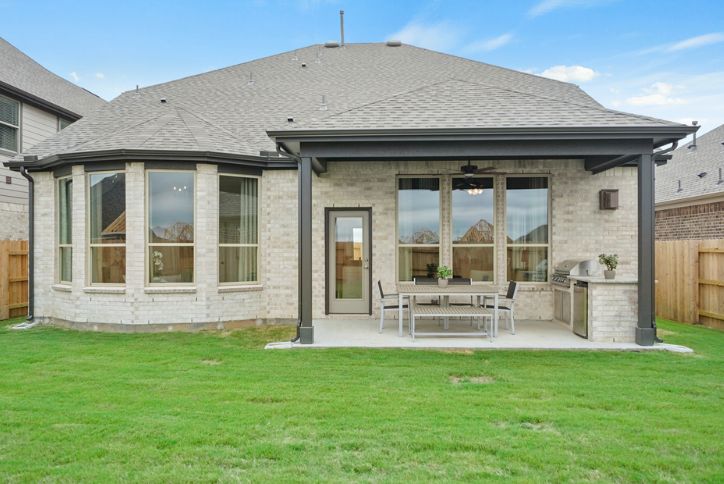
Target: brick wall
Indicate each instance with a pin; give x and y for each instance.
(694, 222)
(613, 312)
(13, 221)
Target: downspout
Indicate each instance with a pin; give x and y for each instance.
(31, 251)
(285, 153)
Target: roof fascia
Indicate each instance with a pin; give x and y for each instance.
(38, 102)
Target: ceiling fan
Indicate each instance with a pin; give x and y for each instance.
(470, 170)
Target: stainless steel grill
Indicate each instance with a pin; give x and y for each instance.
(571, 267)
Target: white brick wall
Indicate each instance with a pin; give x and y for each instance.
(613, 312)
(579, 229)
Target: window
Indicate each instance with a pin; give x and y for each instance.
(65, 229)
(63, 123)
(9, 124)
(418, 225)
(107, 227)
(170, 227)
(473, 229)
(238, 229)
(527, 220)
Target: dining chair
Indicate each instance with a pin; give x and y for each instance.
(386, 302)
(508, 302)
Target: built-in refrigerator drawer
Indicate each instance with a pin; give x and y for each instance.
(562, 305)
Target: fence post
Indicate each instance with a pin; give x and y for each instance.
(4, 280)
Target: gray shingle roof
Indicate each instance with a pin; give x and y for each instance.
(686, 165)
(455, 103)
(23, 73)
(242, 102)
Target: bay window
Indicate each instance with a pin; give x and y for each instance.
(473, 228)
(418, 227)
(107, 228)
(238, 229)
(64, 199)
(527, 222)
(170, 227)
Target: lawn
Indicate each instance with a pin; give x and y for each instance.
(205, 407)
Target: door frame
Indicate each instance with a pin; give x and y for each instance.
(326, 252)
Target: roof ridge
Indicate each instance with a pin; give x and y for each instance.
(162, 125)
(110, 130)
(213, 125)
(64, 80)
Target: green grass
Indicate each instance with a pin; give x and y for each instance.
(204, 407)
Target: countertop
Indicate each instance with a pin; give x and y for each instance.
(601, 280)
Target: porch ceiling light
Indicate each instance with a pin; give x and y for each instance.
(474, 191)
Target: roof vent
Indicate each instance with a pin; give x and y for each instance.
(702, 174)
(331, 44)
(678, 189)
(304, 64)
(393, 43)
(290, 119)
(251, 79)
(721, 180)
(163, 100)
(323, 104)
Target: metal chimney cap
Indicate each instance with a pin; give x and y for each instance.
(331, 44)
(393, 43)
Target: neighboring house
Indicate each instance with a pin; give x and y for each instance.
(281, 189)
(34, 105)
(690, 190)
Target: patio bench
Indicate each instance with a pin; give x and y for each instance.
(473, 312)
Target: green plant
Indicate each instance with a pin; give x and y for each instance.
(610, 261)
(444, 272)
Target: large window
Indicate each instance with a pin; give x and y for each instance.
(65, 230)
(473, 228)
(9, 124)
(527, 220)
(418, 226)
(107, 227)
(238, 229)
(170, 227)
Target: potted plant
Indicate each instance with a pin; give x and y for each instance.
(443, 274)
(611, 262)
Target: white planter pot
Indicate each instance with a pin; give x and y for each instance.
(442, 282)
(609, 274)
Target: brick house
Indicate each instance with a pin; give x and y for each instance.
(280, 189)
(34, 105)
(690, 190)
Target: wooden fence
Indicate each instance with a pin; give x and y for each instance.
(13, 278)
(690, 281)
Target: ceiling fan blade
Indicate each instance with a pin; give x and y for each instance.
(484, 170)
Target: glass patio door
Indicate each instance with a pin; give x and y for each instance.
(348, 261)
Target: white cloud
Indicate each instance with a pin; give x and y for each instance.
(74, 75)
(570, 73)
(487, 45)
(100, 75)
(546, 6)
(698, 41)
(659, 94)
(439, 36)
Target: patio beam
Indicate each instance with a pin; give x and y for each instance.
(306, 328)
(646, 328)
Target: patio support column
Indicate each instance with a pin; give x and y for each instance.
(646, 328)
(306, 330)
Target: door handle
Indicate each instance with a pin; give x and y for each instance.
(366, 263)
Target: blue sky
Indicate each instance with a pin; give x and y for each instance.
(661, 58)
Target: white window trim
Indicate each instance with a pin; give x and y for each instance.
(19, 138)
(453, 245)
(148, 245)
(550, 232)
(219, 245)
(91, 246)
(397, 221)
(58, 246)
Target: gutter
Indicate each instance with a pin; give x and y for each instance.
(29, 323)
(283, 152)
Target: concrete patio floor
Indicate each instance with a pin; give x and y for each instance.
(530, 335)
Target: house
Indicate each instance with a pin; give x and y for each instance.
(278, 190)
(690, 190)
(34, 105)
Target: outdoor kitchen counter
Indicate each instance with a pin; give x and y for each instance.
(601, 280)
(612, 308)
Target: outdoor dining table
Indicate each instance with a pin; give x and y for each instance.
(411, 290)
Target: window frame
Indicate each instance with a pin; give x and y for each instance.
(219, 245)
(90, 245)
(19, 138)
(550, 227)
(147, 218)
(58, 246)
(494, 245)
(439, 244)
